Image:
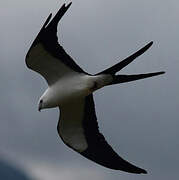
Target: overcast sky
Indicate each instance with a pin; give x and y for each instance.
(139, 119)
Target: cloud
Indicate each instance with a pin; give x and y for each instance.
(9, 171)
(46, 171)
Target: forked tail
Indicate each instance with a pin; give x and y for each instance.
(127, 78)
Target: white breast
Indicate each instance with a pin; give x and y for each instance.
(66, 89)
(72, 87)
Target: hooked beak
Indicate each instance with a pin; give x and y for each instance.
(39, 109)
(40, 106)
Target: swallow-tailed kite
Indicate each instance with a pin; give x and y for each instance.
(71, 89)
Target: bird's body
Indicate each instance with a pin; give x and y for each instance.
(71, 89)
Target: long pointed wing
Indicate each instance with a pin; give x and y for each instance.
(78, 128)
(46, 56)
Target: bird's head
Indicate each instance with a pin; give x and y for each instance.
(46, 101)
(43, 103)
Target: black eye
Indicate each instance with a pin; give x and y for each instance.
(41, 101)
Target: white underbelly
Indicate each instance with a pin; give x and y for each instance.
(72, 87)
(68, 89)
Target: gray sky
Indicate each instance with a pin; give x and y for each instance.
(139, 119)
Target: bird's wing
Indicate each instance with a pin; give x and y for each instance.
(78, 129)
(46, 56)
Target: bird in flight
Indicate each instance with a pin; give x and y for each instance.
(71, 89)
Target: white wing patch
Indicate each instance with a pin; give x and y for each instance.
(70, 125)
(41, 61)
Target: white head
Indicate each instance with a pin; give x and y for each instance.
(47, 100)
(44, 101)
(42, 104)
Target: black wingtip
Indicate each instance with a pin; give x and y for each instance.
(66, 6)
(47, 21)
(69, 5)
(143, 171)
(136, 170)
(140, 171)
(61, 12)
(132, 169)
(59, 15)
(41, 30)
